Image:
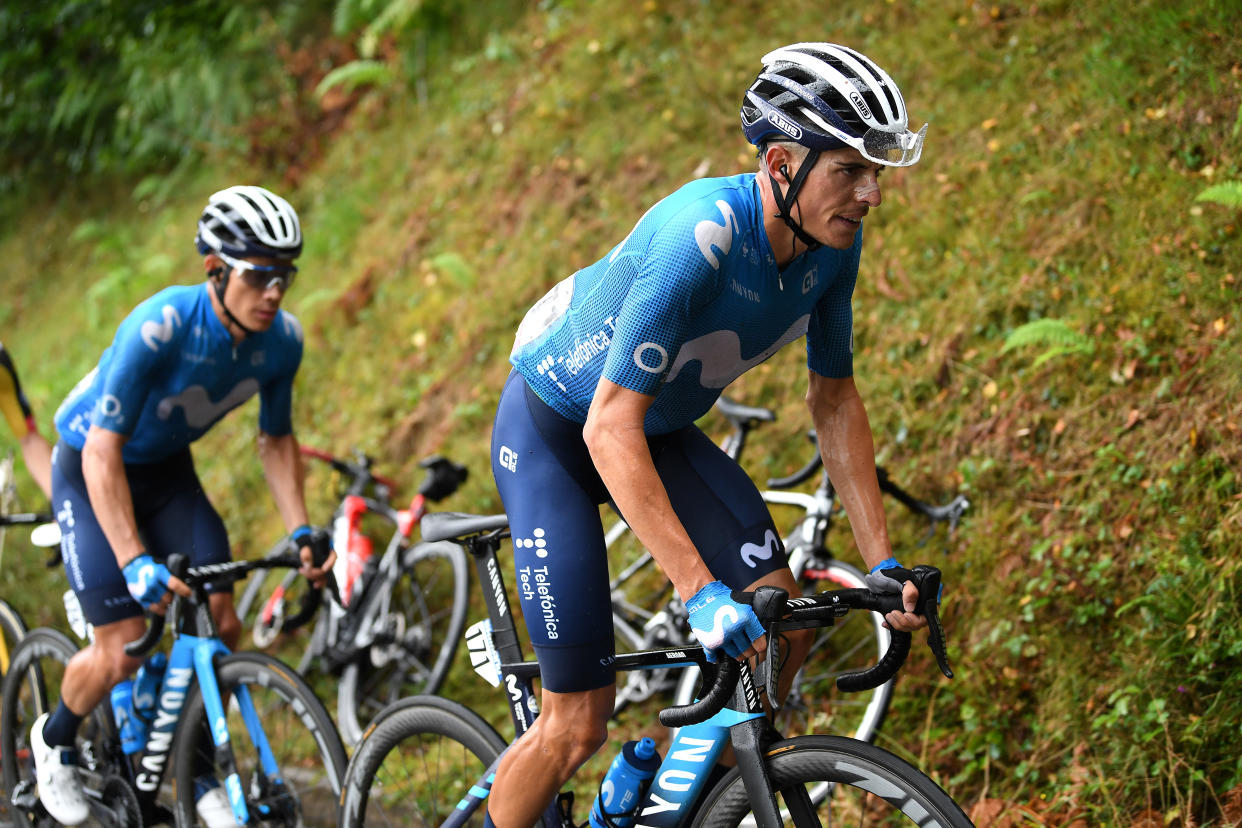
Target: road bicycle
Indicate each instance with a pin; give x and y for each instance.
(245, 720)
(429, 761)
(813, 705)
(394, 625)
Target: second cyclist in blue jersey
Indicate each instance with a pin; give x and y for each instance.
(124, 487)
(613, 366)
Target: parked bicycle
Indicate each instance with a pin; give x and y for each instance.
(813, 705)
(244, 720)
(44, 532)
(429, 761)
(397, 617)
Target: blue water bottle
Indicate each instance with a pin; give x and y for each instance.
(621, 792)
(147, 683)
(133, 731)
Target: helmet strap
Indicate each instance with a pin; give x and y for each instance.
(785, 202)
(220, 285)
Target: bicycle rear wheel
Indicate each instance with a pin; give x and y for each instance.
(298, 729)
(868, 786)
(418, 760)
(31, 688)
(417, 629)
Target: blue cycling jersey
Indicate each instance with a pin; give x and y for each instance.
(173, 371)
(688, 302)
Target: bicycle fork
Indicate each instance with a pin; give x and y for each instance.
(205, 652)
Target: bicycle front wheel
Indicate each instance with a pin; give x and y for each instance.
(31, 688)
(417, 761)
(868, 786)
(308, 752)
(416, 632)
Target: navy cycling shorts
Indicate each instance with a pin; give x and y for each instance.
(552, 494)
(173, 515)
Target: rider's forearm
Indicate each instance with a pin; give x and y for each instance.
(108, 489)
(282, 466)
(848, 451)
(619, 450)
(37, 455)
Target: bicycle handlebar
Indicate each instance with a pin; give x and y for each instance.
(777, 611)
(196, 578)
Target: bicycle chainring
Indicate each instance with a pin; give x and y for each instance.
(120, 801)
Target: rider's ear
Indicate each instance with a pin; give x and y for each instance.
(213, 265)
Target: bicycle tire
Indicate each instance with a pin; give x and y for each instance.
(866, 783)
(275, 603)
(416, 639)
(814, 704)
(414, 763)
(12, 630)
(30, 687)
(299, 730)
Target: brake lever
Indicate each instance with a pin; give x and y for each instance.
(928, 580)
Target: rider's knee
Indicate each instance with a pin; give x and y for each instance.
(578, 737)
(115, 664)
(229, 627)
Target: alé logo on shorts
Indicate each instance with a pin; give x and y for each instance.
(507, 458)
(752, 553)
(156, 333)
(159, 743)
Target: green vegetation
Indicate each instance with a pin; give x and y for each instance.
(1047, 319)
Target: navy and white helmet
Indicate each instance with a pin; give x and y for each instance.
(245, 221)
(824, 97)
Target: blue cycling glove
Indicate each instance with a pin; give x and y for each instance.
(719, 622)
(147, 579)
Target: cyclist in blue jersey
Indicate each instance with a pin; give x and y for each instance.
(124, 487)
(36, 450)
(613, 366)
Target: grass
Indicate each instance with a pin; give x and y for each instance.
(1092, 594)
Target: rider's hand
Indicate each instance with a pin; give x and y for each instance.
(148, 582)
(719, 622)
(316, 553)
(891, 577)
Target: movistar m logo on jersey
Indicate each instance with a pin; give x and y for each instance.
(709, 234)
(785, 125)
(198, 407)
(154, 332)
(720, 354)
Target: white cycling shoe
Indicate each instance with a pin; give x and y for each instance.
(212, 805)
(56, 771)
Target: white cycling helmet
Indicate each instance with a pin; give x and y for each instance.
(245, 221)
(824, 97)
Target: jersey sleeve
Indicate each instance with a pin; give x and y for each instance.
(276, 395)
(144, 343)
(830, 332)
(672, 279)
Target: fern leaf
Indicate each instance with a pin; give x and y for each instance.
(354, 74)
(1228, 193)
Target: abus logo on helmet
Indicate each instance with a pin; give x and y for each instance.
(785, 125)
(860, 105)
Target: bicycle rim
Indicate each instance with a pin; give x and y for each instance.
(415, 639)
(869, 787)
(416, 763)
(855, 642)
(31, 688)
(12, 629)
(299, 731)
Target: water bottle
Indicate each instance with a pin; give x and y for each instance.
(146, 693)
(621, 791)
(133, 731)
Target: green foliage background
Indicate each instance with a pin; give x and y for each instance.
(1046, 316)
